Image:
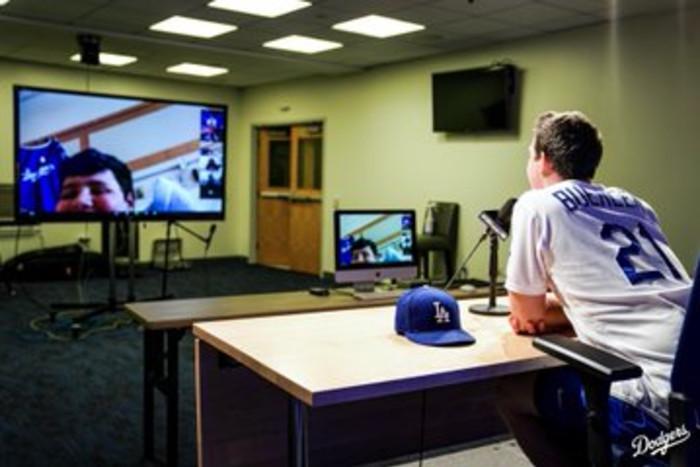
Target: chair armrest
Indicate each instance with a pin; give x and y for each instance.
(587, 359)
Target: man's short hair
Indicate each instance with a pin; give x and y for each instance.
(571, 142)
(91, 161)
(361, 243)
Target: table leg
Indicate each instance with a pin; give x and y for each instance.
(172, 393)
(150, 363)
(298, 433)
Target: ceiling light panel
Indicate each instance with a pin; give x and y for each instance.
(266, 8)
(192, 27)
(110, 59)
(302, 44)
(196, 69)
(378, 26)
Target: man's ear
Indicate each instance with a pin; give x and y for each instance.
(129, 199)
(546, 166)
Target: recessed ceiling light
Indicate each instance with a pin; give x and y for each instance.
(268, 8)
(192, 27)
(4, 2)
(110, 59)
(378, 26)
(196, 70)
(302, 44)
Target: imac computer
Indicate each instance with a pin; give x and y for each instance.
(371, 245)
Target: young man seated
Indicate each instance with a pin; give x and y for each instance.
(593, 258)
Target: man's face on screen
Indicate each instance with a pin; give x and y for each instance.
(99, 192)
(364, 255)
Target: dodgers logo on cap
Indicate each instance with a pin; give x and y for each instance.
(429, 316)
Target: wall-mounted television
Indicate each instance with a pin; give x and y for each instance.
(86, 156)
(477, 100)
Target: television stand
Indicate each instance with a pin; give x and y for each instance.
(112, 305)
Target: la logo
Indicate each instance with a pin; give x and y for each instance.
(441, 315)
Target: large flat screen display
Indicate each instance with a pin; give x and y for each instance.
(84, 156)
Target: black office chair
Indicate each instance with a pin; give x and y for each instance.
(442, 237)
(599, 369)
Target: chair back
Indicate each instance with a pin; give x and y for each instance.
(446, 221)
(685, 381)
(685, 377)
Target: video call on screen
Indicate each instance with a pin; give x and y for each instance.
(174, 154)
(375, 239)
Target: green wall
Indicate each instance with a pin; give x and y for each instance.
(637, 79)
(12, 73)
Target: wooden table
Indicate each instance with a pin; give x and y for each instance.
(324, 359)
(165, 323)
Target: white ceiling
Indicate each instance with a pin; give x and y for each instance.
(45, 31)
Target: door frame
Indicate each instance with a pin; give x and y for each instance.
(253, 192)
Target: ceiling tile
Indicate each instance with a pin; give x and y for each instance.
(474, 26)
(63, 11)
(426, 15)
(366, 7)
(478, 7)
(527, 14)
(585, 6)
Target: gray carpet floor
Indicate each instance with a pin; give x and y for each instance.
(77, 402)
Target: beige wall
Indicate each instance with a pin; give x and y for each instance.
(638, 80)
(12, 73)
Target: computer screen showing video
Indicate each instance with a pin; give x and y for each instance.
(375, 238)
(82, 156)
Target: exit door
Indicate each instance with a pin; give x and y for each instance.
(290, 163)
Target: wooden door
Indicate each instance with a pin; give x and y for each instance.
(274, 190)
(289, 197)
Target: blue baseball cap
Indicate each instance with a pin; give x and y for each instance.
(429, 316)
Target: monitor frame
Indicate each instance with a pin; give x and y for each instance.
(101, 217)
(512, 78)
(370, 273)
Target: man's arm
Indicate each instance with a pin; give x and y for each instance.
(536, 314)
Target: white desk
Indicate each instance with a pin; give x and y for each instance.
(337, 357)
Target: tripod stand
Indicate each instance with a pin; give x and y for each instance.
(206, 240)
(491, 308)
(112, 305)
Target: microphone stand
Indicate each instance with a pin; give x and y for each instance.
(206, 240)
(465, 261)
(491, 309)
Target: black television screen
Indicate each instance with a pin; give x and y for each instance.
(86, 156)
(476, 100)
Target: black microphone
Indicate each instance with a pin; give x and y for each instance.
(498, 222)
(505, 214)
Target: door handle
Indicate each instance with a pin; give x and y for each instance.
(274, 195)
(305, 199)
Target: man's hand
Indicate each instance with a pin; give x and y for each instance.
(536, 314)
(521, 326)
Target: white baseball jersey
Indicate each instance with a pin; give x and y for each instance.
(602, 252)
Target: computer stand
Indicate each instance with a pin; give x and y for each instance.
(112, 305)
(491, 308)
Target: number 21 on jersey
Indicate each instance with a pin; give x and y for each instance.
(635, 248)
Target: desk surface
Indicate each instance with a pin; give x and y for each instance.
(173, 314)
(353, 354)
